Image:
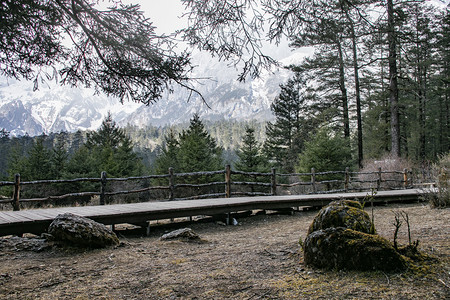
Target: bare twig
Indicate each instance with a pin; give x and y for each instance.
(397, 223)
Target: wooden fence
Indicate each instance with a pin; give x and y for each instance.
(272, 182)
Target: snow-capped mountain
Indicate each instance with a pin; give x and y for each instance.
(55, 108)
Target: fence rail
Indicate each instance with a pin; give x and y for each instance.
(276, 183)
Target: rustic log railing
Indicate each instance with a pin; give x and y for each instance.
(271, 181)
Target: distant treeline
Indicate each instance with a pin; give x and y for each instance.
(147, 141)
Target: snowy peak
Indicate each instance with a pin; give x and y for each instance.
(53, 108)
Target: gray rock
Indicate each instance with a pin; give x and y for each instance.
(184, 233)
(24, 244)
(82, 232)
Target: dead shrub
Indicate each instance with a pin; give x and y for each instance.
(391, 172)
(440, 197)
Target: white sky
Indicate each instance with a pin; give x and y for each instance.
(165, 14)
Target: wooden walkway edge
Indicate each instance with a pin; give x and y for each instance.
(37, 220)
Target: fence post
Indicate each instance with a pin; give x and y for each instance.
(405, 178)
(313, 180)
(16, 195)
(171, 184)
(379, 179)
(347, 179)
(102, 188)
(274, 182)
(228, 181)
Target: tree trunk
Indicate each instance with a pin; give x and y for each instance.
(343, 90)
(393, 84)
(357, 90)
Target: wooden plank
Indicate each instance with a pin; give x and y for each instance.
(13, 216)
(42, 214)
(6, 219)
(32, 215)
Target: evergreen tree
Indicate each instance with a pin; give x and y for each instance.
(325, 151)
(108, 149)
(77, 140)
(392, 32)
(81, 165)
(285, 136)
(17, 162)
(198, 151)
(5, 147)
(326, 80)
(59, 158)
(250, 154)
(39, 161)
(109, 135)
(376, 129)
(33, 163)
(440, 113)
(168, 158)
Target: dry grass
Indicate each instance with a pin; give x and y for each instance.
(259, 259)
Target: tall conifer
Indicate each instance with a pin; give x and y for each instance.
(286, 135)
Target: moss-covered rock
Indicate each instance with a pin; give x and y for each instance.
(343, 248)
(343, 213)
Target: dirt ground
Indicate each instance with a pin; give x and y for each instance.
(258, 259)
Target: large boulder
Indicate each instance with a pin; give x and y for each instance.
(342, 236)
(343, 248)
(343, 213)
(82, 232)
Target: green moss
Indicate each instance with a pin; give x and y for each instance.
(343, 213)
(351, 203)
(342, 236)
(342, 248)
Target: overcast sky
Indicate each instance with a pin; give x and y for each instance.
(165, 14)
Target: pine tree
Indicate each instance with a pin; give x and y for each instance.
(376, 128)
(39, 161)
(108, 135)
(168, 157)
(285, 136)
(17, 162)
(419, 63)
(81, 165)
(249, 154)
(325, 78)
(108, 149)
(441, 87)
(198, 151)
(5, 149)
(326, 151)
(59, 158)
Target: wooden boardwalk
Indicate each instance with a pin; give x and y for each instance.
(37, 220)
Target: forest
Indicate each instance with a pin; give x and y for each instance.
(55, 153)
